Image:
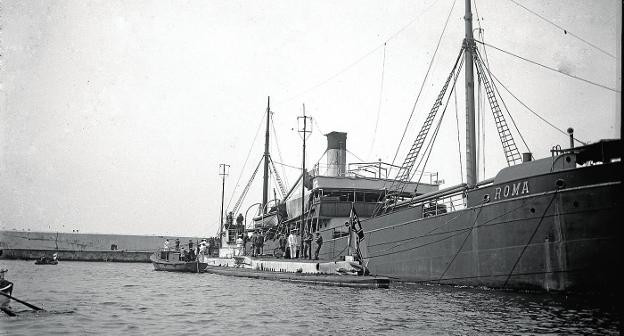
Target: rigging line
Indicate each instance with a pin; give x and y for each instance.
(429, 148)
(480, 127)
(279, 152)
(422, 85)
(461, 166)
(481, 30)
(503, 101)
(462, 244)
(381, 86)
(416, 247)
(531, 238)
(345, 69)
(357, 157)
(246, 160)
(565, 31)
(528, 108)
(550, 68)
(436, 106)
(317, 125)
(286, 165)
(460, 230)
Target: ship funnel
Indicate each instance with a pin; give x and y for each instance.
(336, 153)
(571, 133)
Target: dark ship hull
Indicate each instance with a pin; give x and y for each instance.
(553, 227)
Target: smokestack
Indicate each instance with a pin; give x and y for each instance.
(571, 133)
(336, 153)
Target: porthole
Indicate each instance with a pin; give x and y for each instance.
(532, 210)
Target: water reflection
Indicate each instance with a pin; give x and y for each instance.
(110, 298)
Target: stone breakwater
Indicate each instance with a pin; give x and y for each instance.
(85, 241)
(72, 255)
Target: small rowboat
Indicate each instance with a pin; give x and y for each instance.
(6, 287)
(46, 261)
(170, 261)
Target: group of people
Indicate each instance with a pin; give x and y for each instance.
(289, 245)
(294, 242)
(193, 252)
(257, 244)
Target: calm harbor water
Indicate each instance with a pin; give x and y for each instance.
(83, 298)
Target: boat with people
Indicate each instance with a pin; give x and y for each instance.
(170, 261)
(539, 223)
(45, 260)
(179, 259)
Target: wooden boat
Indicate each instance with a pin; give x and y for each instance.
(46, 261)
(170, 261)
(6, 287)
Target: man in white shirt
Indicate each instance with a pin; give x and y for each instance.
(292, 244)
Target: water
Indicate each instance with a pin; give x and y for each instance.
(83, 298)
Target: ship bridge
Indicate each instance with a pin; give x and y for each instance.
(333, 188)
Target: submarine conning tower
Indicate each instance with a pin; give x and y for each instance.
(336, 153)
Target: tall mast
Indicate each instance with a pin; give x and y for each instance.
(303, 172)
(471, 147)
(265, 179)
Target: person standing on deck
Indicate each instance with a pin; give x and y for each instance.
(307, 245)
(298, 245)
(239, 246)
(177, 245)
(260, 244)
(166, 245)
(282, 244)
(202, 251)
(254, 238)
(319, 243)
(191, 250)
(245, 239)
(292, 245)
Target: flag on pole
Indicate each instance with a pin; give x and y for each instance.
(361, 250)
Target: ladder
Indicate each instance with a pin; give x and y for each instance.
(404, 173)
(280, 183)
(244, 193)
(512, 154)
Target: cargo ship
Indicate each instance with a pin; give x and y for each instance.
(547, 224)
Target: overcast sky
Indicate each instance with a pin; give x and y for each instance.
(115, 115)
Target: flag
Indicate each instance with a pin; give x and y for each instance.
(356, 226)
(361, 250)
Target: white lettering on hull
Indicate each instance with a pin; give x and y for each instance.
(511, 190)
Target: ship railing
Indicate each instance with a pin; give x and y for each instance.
(442, 205)
(442, 201)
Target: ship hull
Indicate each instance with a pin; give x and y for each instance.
(561, 234)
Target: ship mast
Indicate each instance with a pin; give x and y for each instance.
(471, 147)
(265, 179)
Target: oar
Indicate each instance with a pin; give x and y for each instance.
(22, 302)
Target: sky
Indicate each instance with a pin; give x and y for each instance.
(115, 115)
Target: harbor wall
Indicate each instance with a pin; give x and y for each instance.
(85, 241)
(68, 255)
